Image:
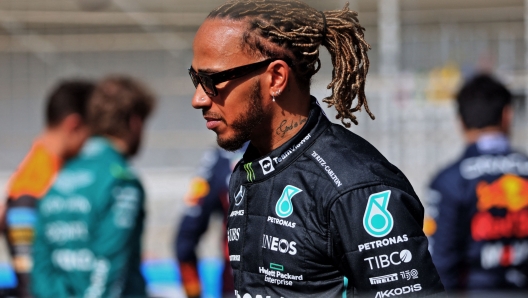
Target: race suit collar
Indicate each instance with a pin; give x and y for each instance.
(98, 145)
(493, 143)
(258, 168)
(490, 143)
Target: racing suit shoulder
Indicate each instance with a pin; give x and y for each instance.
(353, 162)
(447, 178)
(35, 174)
(378, 243)
(372, 213)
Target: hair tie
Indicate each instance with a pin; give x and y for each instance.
(324, 25)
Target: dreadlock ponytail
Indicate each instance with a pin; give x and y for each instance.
(347, 46)
(298, 31)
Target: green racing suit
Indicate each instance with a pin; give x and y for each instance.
(88, 232)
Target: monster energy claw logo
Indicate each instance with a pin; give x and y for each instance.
(284, 207)
(377, 220)
(249, 171)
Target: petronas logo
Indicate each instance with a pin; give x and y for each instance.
(249, 171)
(377, 220)
(284, 207)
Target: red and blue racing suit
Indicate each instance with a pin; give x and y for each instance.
(477, 218)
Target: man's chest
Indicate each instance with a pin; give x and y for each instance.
(275, 234)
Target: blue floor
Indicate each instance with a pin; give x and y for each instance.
(161, 275)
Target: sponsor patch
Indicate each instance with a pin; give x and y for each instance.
(291, 150)
(327, 168)
(409, 274)
(72, 204)
(384, 261)
(21, 217)
(266, 165)
(20, 236)
(383, 243)
(240, 195)
(73, 260)
(377, 220)
(233, 234)
(279, 245)
(69, 181)
(247, 295)
(284, 206)
(249, 171)
(493, 255)
(383, 279)
(281, 222)
(507, 194)
(399, 291)
(276, 275)
(235, 213)
(126, 206)
(474, 167)
(64, 231)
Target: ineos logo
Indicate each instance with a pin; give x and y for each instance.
(267, 165)
(280, 245)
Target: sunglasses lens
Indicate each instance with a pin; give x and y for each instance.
(194, 78)
(208, 85)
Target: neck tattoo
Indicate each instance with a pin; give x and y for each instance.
(286, 126)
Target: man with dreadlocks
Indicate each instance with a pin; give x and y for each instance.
(315, 210)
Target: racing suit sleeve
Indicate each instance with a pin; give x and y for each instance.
(203, 198)
(445, 214)
(379, 245)
(112, 242)
(19, 218)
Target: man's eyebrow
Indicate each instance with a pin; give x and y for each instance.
(206, 70)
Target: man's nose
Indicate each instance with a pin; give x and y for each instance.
(200, 99)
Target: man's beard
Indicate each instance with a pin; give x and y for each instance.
(244, 125)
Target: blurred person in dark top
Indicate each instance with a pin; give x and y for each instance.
(65, 132)
(89, 225)
(477, 207)
(208, 194)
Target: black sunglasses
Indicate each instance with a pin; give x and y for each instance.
(209, 81)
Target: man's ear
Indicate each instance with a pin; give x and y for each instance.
(72, 123)
(461, 124)
(507, 118)
(135, 123)
(279, 77)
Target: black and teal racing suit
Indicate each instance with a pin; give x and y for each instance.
(326, 215)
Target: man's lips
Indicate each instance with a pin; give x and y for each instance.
(212, 123)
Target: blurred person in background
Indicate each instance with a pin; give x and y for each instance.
(89, 226)
(315, 210)
(208, 193)
(65, 132)
(477, 207)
